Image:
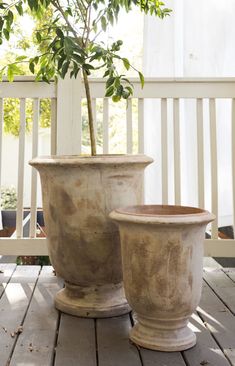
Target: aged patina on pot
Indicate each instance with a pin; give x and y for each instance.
(162, 252)
(78, 194)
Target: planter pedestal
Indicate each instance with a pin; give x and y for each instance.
(83, 243)
(162, 252)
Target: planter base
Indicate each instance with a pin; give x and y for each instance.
(92, 302)
(168, 340)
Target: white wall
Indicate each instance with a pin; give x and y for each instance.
(197, 40)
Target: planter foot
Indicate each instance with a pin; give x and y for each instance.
(163, 340)
(92, 302)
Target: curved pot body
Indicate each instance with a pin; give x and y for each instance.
(162, 252)
(78, 194)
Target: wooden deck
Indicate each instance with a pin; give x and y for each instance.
(34, 333)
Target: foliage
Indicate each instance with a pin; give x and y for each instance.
(69, 41)
(8, 198)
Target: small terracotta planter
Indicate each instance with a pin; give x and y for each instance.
(162, 252)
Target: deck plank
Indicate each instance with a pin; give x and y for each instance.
(6, 271)
(155, 358)
(114, 347)
(35, 345)
(13, 307)
(230, 272)
(206, 351)
(220, 321)
(76, 342)
(222, 285)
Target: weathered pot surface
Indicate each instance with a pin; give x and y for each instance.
(84, 248)
(162, 252)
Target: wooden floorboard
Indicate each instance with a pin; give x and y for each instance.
(35, 345)
(13, 307)
(49, 338)
(76, 342)
(114, 347)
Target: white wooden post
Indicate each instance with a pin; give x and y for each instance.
(69, 121)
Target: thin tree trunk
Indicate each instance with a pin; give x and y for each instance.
(90, 114)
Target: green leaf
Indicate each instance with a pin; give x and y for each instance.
(39, 37)
(59, 33)
(32, 67)
(141, 76)
(103, 23)
(65, 69)
(109, 91)
(6, 34)
(20, 58)
(10, 73)
(19, 8)
(109, 82)
(126, 63)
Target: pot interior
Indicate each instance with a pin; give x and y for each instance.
(161, 210)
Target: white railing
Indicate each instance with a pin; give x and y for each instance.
(67, 138)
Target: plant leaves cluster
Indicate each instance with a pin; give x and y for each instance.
(69, 41)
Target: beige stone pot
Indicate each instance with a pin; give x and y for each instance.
(162, 252)
(78, 194)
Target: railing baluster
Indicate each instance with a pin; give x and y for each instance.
(53, 126)
(141, 125)
(200, 154)
(20, 189)
(129, 137)
(233, 159)
(164, 151)
(93, 104)
(105, 126)
(33, 208)
(177, 169)
(214, 178)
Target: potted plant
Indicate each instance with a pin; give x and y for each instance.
(79, 192)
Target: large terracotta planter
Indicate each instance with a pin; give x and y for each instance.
(162, 252)
(78, 194)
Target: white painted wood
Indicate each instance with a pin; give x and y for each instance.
(129, 132)
(26, 89)
(164, 149)
(200, 154)
(21, 155)
(141, 126)
(214, 178)
(93, 106)
(173, 88)
(219, 248)
(233, 159)
(177, 165)
(23, 246)
(69, 120)
(105, 125)
(53, 126)
(33, 208)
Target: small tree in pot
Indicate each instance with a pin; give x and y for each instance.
(79, 192)
(69, 42)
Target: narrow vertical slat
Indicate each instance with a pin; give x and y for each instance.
(200, 154)
(164, 151)
(177, 168)
(53, 126)
(141, 126)
(214, 178)
(233, 159)
(33, 208)
(129, 137)
(93, 104)
(105, 126)
(20, 186)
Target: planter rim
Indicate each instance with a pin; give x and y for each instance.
(162, 214)
(74, 160)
